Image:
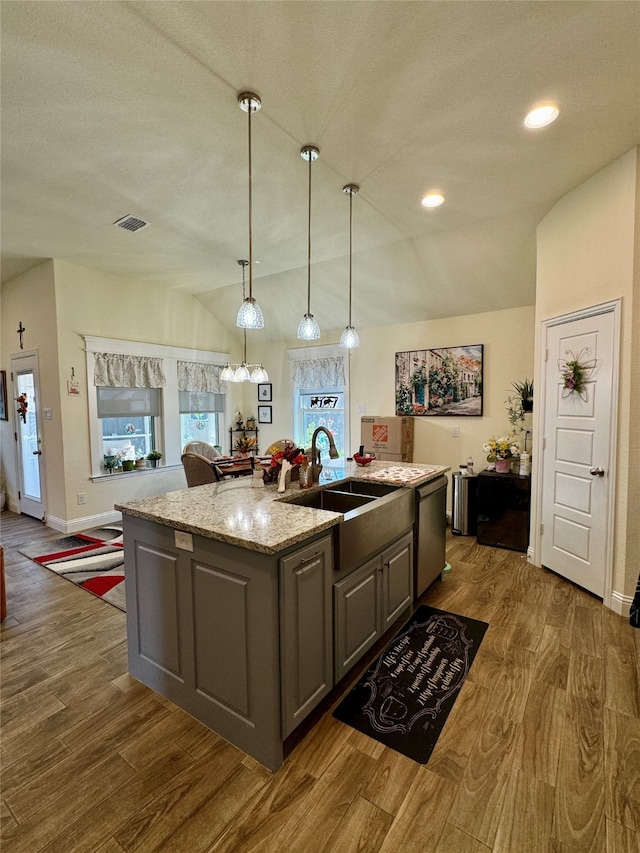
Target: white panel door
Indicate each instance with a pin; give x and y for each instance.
(577, 432)
(24, 370)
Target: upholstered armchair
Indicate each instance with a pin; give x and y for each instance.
(199, 470)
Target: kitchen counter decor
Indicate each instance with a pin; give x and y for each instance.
(502, 451)
(292, 454)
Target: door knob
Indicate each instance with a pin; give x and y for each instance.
(596, 472)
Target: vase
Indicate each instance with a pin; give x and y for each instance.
(128, 464)
(503, 466)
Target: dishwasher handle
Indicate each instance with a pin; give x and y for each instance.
(430, 488)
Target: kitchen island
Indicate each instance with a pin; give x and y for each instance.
(237, 609)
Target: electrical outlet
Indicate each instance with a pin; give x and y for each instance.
(184, 541)
(82, 498)
(455, 432)
(362, 410)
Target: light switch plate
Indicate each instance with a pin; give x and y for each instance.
(184, 541)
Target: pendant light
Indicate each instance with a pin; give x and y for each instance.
(250, 314)
(349, 338)
(244, 372)
(309, 330)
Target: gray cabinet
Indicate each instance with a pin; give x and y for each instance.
(369, 600)
(357, 615)
(397, 580)
(306, 634)
(216, 631)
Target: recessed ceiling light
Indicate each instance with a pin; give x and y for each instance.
(433, 200)
(542, 116)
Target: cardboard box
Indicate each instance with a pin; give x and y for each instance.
(387, 434)
(396, 457)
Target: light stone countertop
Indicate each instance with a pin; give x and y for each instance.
(246, 513)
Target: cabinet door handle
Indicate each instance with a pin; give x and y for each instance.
(309, 559)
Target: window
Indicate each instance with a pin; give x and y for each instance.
(127, 418)
(319, 407)
(201, 414)
(320, 397)
(148, 396)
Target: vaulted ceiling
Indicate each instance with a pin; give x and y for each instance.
(116, 108)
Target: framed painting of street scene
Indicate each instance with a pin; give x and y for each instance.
(443, 381)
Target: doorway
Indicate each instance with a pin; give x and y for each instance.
(578, 422)
(24, 372)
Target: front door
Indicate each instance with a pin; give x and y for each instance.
(579, 432)
(24, 369)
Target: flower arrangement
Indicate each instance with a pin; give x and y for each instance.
(23, 405)
(290, 452)
(575, 372)
(504, 447)
(245, 444)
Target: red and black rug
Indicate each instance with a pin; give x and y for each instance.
(94, 560)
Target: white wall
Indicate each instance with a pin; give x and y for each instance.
(588, 254)
(508, 338)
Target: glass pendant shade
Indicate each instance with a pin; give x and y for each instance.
(308, 330)
(259, 374)
(250, 315)
(242, 374)
(349, 338)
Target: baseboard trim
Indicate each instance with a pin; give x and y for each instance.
(620, 604)
(84, 523)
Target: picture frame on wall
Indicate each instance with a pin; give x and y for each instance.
(442, 382)
(264, 414)
(4, 410)
(264, 392)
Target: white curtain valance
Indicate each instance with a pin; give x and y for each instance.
(114, 370)
(318, 372)
(198, 376)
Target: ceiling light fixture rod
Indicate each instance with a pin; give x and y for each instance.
(308, 330)
(250, 315)
(349, 338)
(244, 372)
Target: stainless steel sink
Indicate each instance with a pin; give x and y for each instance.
(370, 521)
(337, 501)
(364, 487)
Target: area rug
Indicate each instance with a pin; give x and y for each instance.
(94, 560)
(404, 699)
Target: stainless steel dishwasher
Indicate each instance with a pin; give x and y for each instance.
(430, 533)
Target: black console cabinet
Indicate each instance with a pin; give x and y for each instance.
(504, 502)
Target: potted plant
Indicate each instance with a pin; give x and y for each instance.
(501, 451)
(525, 390)
(111, 463)
(154, 457)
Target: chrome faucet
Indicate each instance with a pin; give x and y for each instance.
(316, 465)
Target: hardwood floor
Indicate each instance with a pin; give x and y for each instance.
(540, 754)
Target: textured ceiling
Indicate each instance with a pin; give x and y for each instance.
(117, 108)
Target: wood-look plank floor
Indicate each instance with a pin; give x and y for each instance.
(541, 753)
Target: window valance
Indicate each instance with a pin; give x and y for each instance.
(318, 372)
(115, 370)
(198, 376)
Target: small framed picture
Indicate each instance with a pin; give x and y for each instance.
(4, 412)
(264, 414)
(264, 394)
